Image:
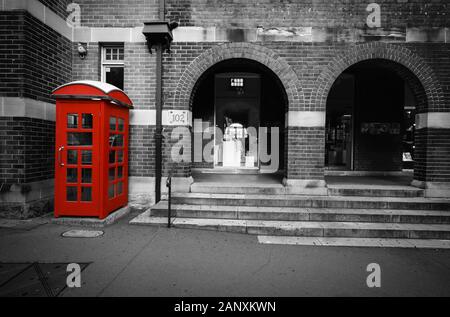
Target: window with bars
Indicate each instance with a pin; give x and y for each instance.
(113, 65)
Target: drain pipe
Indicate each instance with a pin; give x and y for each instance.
(158, 100)
(159, 36)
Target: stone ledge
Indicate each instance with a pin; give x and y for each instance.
(313, 187)
(92, 222)
(433, 189)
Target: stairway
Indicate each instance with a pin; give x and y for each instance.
(369, 211)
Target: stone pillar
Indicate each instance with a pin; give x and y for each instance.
(432, 152)
(305, 152)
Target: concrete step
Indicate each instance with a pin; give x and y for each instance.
(305, 228)
(374, 191)
(353, 202)
(302, 214)
(242, 188)
(333, 190)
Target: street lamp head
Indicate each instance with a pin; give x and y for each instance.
(159, 33)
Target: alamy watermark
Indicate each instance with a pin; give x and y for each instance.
(263, 143)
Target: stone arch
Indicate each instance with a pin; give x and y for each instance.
(193, 72)
(411, 67)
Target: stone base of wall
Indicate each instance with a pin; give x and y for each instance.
(141, 190)
(23, 201)
(26, 210)
(433, 189)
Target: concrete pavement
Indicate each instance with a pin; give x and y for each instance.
(151, 261)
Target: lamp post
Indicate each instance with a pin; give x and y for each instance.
(159, 36)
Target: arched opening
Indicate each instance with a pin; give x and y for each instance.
(239, 97)
(370, 119)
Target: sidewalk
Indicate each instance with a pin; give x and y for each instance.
(150, 261)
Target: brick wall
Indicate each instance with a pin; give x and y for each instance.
(140, 68)
(432, 155)
(34, 59)
(12, 64)
(26, 150)
(321, 13)
(12, 153)
(118, 13)
(142, 151)
(48, 60)
(305, 153)
(88, 68)
(40, 60)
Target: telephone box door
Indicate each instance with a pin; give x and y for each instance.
(77, 160)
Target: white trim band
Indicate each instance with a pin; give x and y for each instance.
(30, 108)
(148, 117)
(306, 119)
(26, 107)
(433, 120)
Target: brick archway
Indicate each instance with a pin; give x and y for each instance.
(192, 74)
(409, 66)
(261, 54)
(412, 68)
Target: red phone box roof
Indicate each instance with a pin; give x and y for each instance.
(90, 89)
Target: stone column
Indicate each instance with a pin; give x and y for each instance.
(305, 152)
(432, 153)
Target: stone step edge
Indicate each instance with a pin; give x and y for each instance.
(146, 219)
(355, 242)
(198, 186)
(163, 205)
(306, 198)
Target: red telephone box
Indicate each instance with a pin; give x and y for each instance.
(91, 152)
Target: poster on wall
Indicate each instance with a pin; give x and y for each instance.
(380, 128)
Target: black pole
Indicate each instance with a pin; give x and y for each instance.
(158, 99)
(169, 209)
(158, 132)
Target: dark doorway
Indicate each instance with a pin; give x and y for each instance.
(370, 119)
(234, 93)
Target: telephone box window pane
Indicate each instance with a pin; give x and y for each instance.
(114, 75)
(72, 175)
(79, 138)
(111, 191)
(72, 157)
(120, 156)
(116, 140)
(112, 174)
(112, 156)
(87, 121)
(121, 124)
(86, 157)
(119, 172)
(86, 194)
(119, 188)
(72, 120)
(86, 176)
(71, 194)
(112, 124)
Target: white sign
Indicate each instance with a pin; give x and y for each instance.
(177, 117)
